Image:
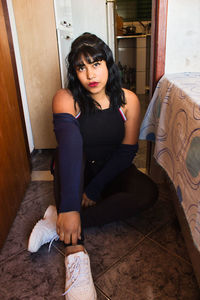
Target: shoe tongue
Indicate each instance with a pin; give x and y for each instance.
(76, 254)
(71, 257)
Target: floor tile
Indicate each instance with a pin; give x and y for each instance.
(107, 244)
(170, 237)
(41, 176)
(101, 296)
(33, 276)
(38, 197)
(41, 159)
(149, 273)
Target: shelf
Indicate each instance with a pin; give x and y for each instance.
(132, 36)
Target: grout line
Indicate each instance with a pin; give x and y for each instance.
(60, 251)
(12, 256)
(145, 235)
(159, 227)
(161, 246)
(168, 221)
(102, 292)
(121, 258)
(169, 252)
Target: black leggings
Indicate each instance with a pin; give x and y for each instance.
(130, 193)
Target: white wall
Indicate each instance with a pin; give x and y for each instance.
(183, 36)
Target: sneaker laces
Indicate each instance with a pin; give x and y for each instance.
(54, 238)
(75, 274)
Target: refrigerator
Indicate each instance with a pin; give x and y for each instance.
(74, 17)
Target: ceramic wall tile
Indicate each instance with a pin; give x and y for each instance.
(140, 82)
(141, 42)
(141, 60)
(127, 56)
(127, 43)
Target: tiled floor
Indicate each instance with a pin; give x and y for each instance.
(143, 258)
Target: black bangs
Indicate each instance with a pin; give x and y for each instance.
(90, 48)
(89, 53)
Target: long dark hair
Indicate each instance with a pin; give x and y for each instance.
(90, 46)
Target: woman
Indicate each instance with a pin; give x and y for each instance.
(96, 123)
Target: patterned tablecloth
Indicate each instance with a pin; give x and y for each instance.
(172, 120)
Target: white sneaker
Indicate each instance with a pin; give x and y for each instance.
(79, 282)
(44, 231)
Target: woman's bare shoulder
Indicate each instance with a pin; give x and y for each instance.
(132, 101)
(130, 96)
(63, 102)
(133, 119)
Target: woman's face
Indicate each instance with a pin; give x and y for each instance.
(93, 76)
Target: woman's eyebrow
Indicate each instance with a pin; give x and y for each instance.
(94, 61)
(90, 62)
(81, 64)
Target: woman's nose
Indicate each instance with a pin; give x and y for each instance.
(90, 73)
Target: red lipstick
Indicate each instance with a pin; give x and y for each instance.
(93, 84)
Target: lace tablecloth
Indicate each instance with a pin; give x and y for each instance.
(172, 121)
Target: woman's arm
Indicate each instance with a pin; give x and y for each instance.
(70, 160)
(63, 102)
(133, 122)
(122, 158)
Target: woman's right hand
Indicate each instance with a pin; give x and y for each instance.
(86, 202)
(69, 227)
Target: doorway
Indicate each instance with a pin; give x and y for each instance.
(133, 47)
(152, 16)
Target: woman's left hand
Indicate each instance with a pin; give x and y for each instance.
(86, 202)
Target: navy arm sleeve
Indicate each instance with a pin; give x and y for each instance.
(70, 153)
(120, 160)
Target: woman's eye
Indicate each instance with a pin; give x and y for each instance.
(96, 64)
(80, 68)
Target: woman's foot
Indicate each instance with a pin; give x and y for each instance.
(79, 282)
(44, 231)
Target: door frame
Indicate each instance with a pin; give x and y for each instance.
(15, 158)
(157, 58)
(14, 65)
(158, 42)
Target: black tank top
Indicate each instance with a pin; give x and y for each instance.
(102, 132)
